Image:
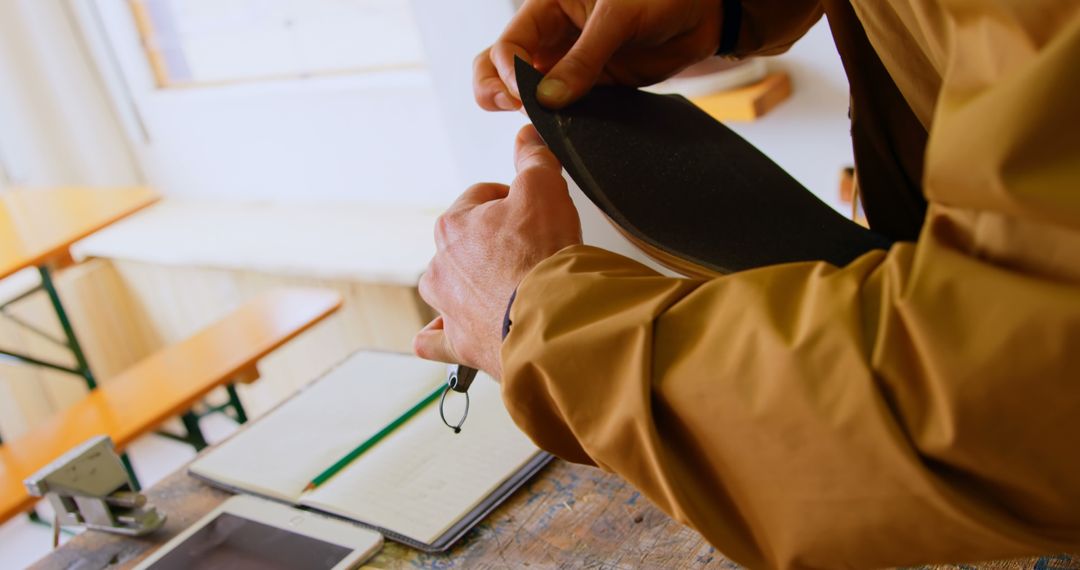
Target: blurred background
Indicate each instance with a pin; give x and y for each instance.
(307, 142)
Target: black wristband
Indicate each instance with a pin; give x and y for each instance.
(729, 27)
(506, 316)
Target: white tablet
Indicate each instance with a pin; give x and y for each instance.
(248, 532)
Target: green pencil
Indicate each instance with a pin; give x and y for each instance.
(371, 441)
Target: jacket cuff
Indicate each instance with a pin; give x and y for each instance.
(560, 368)
(525, 390)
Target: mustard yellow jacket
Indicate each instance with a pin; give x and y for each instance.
(918, 405)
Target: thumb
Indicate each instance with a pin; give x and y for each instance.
(605, 31)
(431, 343)
(531, 152)
(539, 174)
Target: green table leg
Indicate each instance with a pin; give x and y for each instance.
(234, 401)
(135, 485)
(194, 432)
(73, 343)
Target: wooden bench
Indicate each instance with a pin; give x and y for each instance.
(164, 385)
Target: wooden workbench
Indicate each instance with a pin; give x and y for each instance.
(569, 516)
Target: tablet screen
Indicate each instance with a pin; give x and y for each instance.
(237, 543)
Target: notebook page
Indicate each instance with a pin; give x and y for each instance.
(424, 478)
(281, 453)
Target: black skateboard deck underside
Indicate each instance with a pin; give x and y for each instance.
(669, 175)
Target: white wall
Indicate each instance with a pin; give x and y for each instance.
(482, 142)
(57, 126)
(368, 137)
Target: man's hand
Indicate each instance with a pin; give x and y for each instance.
(580, 42)
(486, 243)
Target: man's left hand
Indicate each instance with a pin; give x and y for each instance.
(486, 243)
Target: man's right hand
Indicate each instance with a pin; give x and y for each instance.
(579, 43)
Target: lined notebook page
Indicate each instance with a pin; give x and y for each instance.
(283, 451)
(424, 478)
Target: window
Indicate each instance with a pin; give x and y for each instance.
(200, 42)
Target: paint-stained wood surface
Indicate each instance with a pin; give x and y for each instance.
(568, 516)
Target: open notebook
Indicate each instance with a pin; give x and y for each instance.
(422, 485)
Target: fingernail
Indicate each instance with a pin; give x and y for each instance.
(505, 102)
(553, 92)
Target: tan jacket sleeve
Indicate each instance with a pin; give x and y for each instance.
(917, 405)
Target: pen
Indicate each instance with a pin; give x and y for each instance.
(371, 441)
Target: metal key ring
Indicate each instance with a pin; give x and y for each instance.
(442, 402)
